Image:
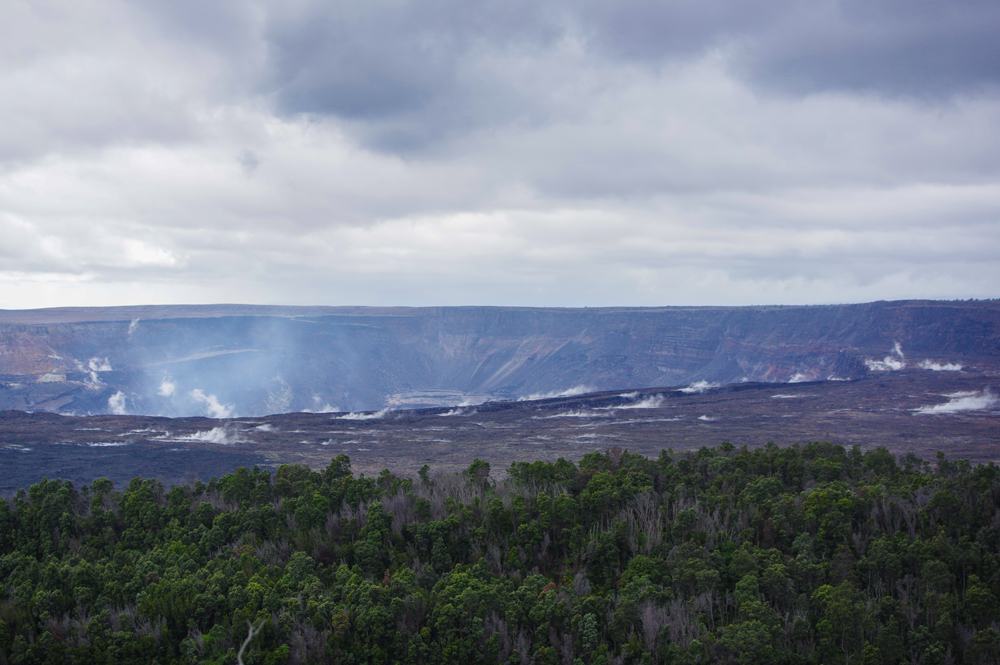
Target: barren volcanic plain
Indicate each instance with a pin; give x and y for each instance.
(909, 410)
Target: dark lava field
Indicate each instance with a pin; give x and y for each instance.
(912, 410)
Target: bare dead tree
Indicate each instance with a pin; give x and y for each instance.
(580, 585)
(252, 630)
(522, 645)
(307, 644)
(563, 644)
(654, 619)
(401, 507)
(682, 623)
(643, 516)
(274, 553)
(494, 625)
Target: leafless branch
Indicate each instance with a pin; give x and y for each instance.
(252, 631)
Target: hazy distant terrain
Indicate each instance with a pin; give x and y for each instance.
(240, 361)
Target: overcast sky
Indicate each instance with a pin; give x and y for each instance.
(514, 152)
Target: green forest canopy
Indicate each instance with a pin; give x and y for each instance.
(811, 554)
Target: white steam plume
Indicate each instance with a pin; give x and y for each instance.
(569, 392)
(132, 328)
(458, 411)
(473, 400)
(321, 406)
(167, 388)
(699, 387)
(221, 435)
(364, 416)
(280, 399)
(116, 403)
(575, 414)
(962, 401)
(891, 363)
(215, 408)
(650, 402)
(939, 367)
(95, 365)
(99, 365)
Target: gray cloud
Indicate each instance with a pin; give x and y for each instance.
(412, 73)
(451, 152)
(925, 49)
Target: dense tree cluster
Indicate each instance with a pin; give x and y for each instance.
(811, 554)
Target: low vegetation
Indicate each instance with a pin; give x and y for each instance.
(811, 554)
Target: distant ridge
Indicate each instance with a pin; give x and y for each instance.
(182, 311)
(232, 359)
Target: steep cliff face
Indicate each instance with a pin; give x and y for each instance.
(242, 360)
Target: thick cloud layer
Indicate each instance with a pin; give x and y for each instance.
(449, 152)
